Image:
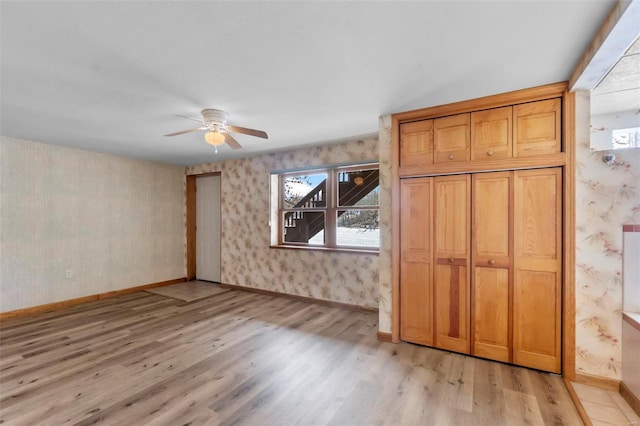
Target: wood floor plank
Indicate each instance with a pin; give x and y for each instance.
(487, 391)
(522, 407)
(605, 407)
(622, 405)
(250, 359)
(324, 386)
(548, 387)
(252, 395)
(189, 291)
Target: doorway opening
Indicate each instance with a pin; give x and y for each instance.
(203, 227)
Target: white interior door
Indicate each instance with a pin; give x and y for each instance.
(208, 228)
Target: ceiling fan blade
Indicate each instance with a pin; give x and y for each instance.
(231, 141)
(186, 131)
(189, 118)
(252, 132)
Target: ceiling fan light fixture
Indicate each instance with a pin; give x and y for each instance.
(214, 138)
(218, 132)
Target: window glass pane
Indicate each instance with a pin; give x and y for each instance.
(358, 188)
(304, 227)
(305, 191)
(358, 228)
(626, 138)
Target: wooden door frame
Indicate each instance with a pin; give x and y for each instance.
(568, 210)
(190, 200)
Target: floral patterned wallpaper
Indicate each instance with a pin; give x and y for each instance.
(247, 259)
(386, 178)
(606, 198)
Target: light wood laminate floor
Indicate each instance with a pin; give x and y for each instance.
(605, 407)
(189, 291)
(250, 359)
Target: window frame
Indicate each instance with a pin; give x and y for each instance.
(330, 209)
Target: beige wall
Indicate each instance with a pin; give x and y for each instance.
(606, 198)
(113, 222)
(247, 259)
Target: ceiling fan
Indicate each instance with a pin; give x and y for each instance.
(215, 122)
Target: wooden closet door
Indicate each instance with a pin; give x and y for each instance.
(416, 260)
(492, 248)
(451, 272)
(537, 128)
(491, 134)
(416, 143)
(452, 139)
(537, 268)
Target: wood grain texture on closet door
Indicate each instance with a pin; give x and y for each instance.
(452, 138)
(451, 227)
(416, 143)
(492, 248)
(537, 128)
(491, 134)
(537, 268)
(416, 261)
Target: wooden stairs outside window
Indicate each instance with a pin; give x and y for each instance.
(302, 225)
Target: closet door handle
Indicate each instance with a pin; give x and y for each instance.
(451, 157)
(451, 260)
(492, 262)
(490, 153)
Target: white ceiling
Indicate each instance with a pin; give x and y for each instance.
(619, 90)
(109, 76)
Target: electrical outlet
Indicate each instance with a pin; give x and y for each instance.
(68, 273)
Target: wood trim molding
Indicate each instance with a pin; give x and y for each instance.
(597, 381)
(576, 401)
(569, 237)
(511, 163)
(191, 226)
(395, 230)
(628, 396)
(65, 303)
(631, 228)
(304, 299)
(384, 337)
(547, 91)
(218, 173)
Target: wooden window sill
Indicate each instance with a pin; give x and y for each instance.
(327, 249)
(633, 318)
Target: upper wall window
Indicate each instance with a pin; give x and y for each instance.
(335, 207)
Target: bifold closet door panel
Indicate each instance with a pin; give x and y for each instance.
(416, 261)
(537, 268)
(492, 248)
(451, 228)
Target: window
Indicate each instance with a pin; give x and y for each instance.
(334, 207)
(625, 138)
